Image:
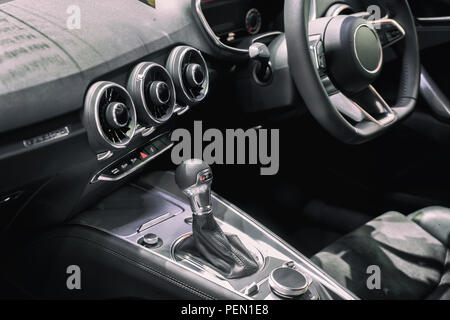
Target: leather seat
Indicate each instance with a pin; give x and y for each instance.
(412, 253)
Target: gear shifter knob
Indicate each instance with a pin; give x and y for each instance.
(226, 253)
(194, 178)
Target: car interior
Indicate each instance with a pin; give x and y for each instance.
(91, 93)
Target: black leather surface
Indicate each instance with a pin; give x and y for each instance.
(409, 53)
(436, 221)
(412, 257)
(111, 268)
(226, 253)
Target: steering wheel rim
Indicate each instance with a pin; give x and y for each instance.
(341, 116)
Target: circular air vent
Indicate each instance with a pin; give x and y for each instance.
(110, 116)
(190, 74)
(153, 91)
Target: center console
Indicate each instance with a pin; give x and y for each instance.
(154, 216)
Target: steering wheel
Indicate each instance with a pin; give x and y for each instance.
(335, 60)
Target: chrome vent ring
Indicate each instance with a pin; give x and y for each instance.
(110, 116)
(153, 92)
(190, 74)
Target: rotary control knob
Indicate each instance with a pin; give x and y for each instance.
(195, 75)
(159, 93)
(288, 283)
(150, 239)
(117, 115)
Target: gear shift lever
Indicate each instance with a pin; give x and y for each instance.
(194, 178)
(226, 253)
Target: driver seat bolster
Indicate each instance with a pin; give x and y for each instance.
(410, 253)
(434, 220)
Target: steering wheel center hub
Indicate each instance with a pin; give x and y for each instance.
(368, 48)
(354, 53)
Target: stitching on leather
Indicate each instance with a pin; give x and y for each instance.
(224, 245)
(231, 250)
(241, 258)
(176, 282)
(168, 278)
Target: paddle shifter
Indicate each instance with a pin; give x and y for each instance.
(226, 253)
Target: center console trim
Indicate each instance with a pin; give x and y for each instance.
(273, 247)
(155, 221)
(344, 293)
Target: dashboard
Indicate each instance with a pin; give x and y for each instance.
(93, 105)
(234, 20)
(90, 105)
(83, 109)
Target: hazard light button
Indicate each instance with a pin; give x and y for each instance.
(143, 155)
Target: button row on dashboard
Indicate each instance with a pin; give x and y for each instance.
(134, 159)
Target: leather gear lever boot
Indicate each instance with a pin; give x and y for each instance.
(225, 253)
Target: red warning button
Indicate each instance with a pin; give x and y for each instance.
(143, 155)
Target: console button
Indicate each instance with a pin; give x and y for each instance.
(158, 144)
(124, 166)
(151, 149)
(150, 239)
(288, 283)
(115, 171)
(134, 160)
(166, 139)
(251, 289)
(143, 155)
